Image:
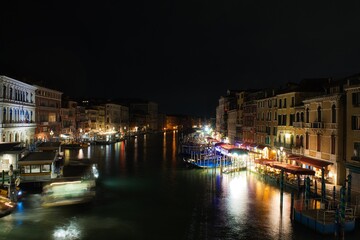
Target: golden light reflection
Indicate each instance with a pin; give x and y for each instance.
(238, 198)
(144, 147)
(135, 148)
(122, 155)
(248, 195)
(68, 231)
(174, 148)
(164, 146)
(80, 154)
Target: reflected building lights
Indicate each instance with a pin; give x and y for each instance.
(80, 154)
(68, 232)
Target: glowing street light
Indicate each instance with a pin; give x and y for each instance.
(280, 153)
(51, 134)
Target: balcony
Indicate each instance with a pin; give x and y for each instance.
(285, 145)
(16, 125)
(298, 124)
(331, 125)
(317, 125)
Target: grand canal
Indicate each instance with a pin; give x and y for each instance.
(145, 192)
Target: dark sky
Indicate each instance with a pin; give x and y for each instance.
(182, 54)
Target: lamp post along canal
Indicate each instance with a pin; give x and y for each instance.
(281, 154)
(51, 135)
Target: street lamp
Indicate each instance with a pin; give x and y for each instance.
(280, 153)
(51, 134)
(80, 134)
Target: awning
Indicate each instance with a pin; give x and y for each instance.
(239, 151)
(286, 167)
(245, 144)
(292, 169)
(219, 144)
(309, 161)
(261, 146)
(264, 161)
(227, 146)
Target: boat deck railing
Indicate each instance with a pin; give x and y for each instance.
(324, 211)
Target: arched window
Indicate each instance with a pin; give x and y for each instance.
(333, 144)
(4, 91)
(307, 115)
(10, 94)
(4, 115)
(301, 141)
(307, 138)
(302, 116)
(319, 114)
(318, 145)
(333, 114)
(26, 116)
(10, 117)
(297, 141)
(298, 117)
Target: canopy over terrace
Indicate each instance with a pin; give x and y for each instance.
(249, 146)
(211, 140)
(218, 144)
(238, 151)
(296, 170)
(223, 147)
(292, 168)
(227, 149)
(309, 161)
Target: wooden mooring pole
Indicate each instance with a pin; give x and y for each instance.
(292, 206)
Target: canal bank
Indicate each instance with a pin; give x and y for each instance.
(144, 191)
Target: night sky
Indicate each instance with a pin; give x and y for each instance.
(182, 54)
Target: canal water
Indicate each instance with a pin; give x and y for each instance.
(145, 192)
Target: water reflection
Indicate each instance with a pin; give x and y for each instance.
(80, 154)
(173, 148)
(145, 147)
(70, 230)
(164, 145)
(160, 199)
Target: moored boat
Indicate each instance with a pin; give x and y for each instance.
(209, 161)
(6, 206)
(4, 191)
(68, 192)
(76, 185)
(74, 145)
(314, 215)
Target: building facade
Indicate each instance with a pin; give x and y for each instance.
(17, 111)
(352, 141)
(48, 105)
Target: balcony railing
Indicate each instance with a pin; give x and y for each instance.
(22, 124)
(298, 124)
(331, 125)
(285, 145)
(317, 125)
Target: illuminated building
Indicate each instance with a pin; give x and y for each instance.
(17, 111)
(48, 105)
